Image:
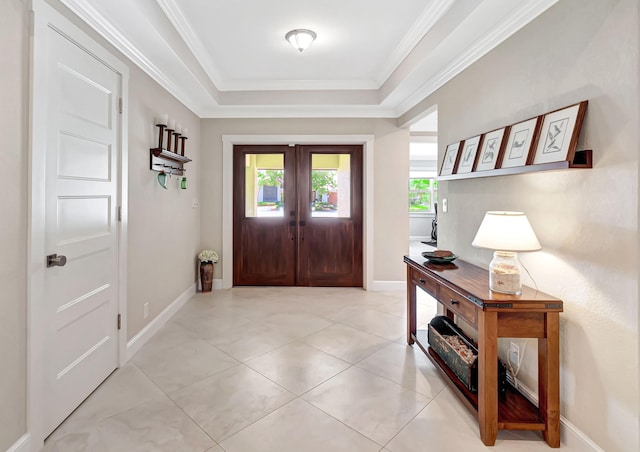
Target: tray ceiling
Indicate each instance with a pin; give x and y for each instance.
(372, 58)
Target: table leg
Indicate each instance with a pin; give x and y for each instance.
(488, 376)
(411, 307)
(549, 379)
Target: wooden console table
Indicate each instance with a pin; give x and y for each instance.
(463, 291)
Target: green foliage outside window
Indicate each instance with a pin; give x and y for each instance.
(422, 194)
(323, 181)
(270, 177)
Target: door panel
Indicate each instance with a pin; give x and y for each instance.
(81, 194)
(300, 226)
(264, 246)
(330, 238)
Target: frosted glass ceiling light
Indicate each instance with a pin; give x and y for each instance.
(300, 38)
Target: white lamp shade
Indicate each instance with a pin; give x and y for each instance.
(300, 39)
(506, 231)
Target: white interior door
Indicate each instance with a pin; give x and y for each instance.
(81, 297)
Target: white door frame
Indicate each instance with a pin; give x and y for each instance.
(45, 16)
(227, 192)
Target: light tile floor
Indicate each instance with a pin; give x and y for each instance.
(280, 369)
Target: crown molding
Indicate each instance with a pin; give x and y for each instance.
(518, 19)
(406, 95)
(103, 27)
(298, 111)
(420, 28)
(184, 29)
(295, 85)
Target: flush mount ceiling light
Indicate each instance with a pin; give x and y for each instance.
(300, 38)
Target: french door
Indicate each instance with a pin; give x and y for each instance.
(297, 215)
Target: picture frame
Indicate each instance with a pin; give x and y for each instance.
(450, 161)
(522, 137)
(468, 155)
(491, 150)
(559, 134)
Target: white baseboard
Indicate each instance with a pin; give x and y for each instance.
(570, 435)
(22, 445)
(575, 439)
(388, 286)
(148, 331)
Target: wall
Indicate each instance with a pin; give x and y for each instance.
(14, 85)
(391, 169)
(586, 220)
(163, 228)
(420, 226)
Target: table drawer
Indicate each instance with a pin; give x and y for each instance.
(457, 303)
(424, 282)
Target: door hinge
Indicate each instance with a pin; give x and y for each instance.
(119, 321)
(119, 213)
(120, 105)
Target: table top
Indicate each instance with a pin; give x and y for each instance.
(474, 281)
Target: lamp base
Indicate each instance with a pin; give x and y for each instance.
(504, 273)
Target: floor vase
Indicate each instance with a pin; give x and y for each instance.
(206, 276)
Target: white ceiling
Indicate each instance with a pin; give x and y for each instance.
(372, 58)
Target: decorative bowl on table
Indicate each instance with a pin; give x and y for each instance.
(439, 257)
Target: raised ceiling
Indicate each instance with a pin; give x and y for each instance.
(372, 58)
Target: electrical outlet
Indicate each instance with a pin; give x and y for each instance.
(146, 310)
(514, 353)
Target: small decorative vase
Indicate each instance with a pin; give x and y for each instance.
(206, 276)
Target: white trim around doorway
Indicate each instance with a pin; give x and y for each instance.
(227, 192)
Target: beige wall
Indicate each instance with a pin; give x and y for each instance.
(163, 227)
(586, 220)
(14, 83)
(390, 166)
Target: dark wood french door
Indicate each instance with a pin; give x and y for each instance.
(297, 215)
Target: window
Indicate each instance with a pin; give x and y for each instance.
(423, 193)
(423, 186)
(331, 185)
(264, 185)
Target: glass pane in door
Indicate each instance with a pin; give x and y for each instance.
(264, 185)
(331, 185)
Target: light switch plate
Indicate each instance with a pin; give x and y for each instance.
(445, 206)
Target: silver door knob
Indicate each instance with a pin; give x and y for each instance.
(53, 260)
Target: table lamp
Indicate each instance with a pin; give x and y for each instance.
(506, 233)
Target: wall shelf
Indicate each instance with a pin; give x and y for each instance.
(169, 162)
(582, 160)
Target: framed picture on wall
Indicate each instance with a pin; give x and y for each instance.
(491, 149)
(559, 134)
(450, 158)
(522, 137)
(468, 156)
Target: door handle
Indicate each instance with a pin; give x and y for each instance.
(53, 260)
